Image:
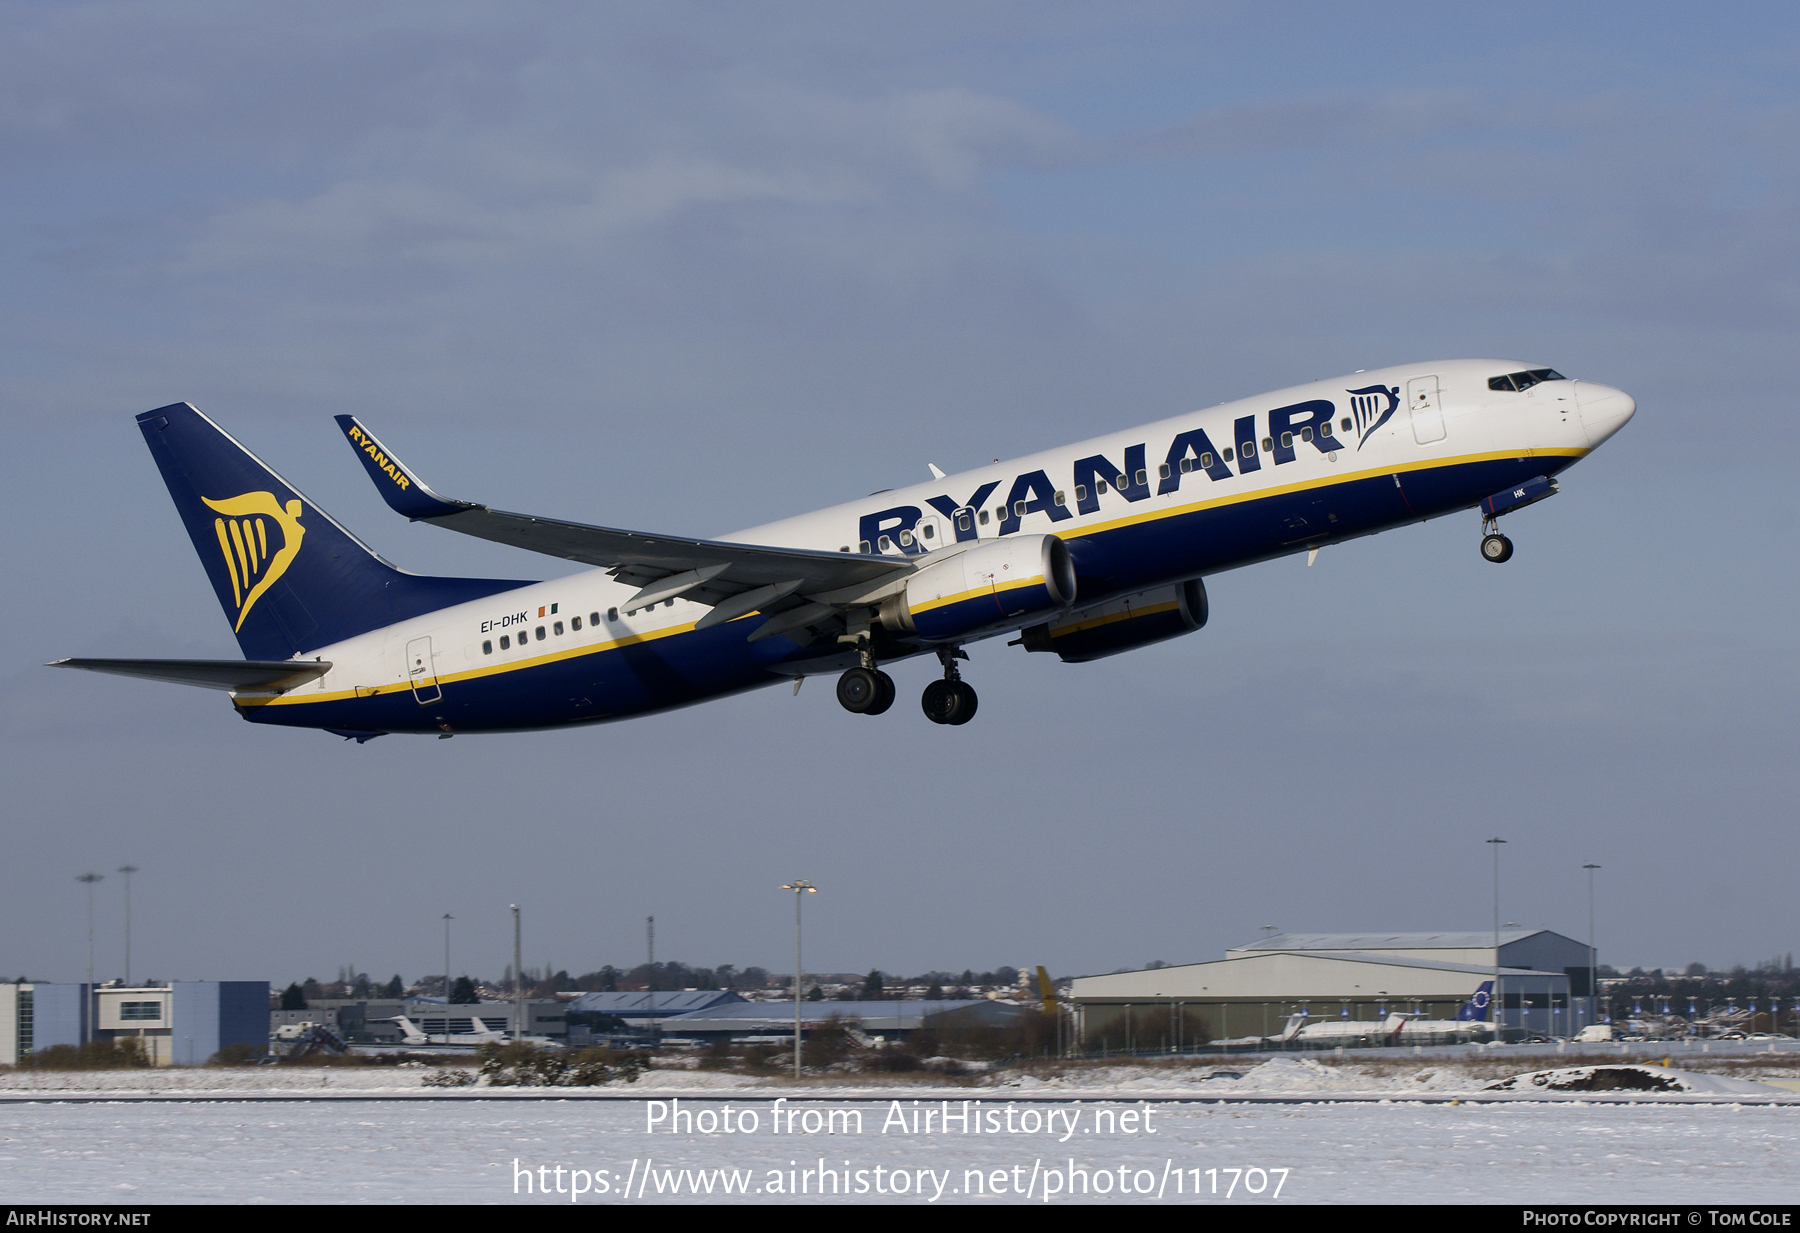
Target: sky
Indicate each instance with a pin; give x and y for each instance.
(693, 267)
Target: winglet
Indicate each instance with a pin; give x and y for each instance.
(399, 487)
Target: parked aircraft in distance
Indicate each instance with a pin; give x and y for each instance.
(1081, 552)
(1397, 1028)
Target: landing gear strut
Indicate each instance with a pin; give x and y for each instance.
(951, 700)
(1495, 547)
(865, 689)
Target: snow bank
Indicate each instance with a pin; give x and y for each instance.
(1631, 1078)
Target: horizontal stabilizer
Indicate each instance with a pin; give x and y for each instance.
(210, 673)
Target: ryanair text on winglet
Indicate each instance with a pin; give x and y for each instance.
(382, 461)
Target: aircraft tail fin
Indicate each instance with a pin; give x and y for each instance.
(1476, 1008)
(1046, 989)
(289, 577)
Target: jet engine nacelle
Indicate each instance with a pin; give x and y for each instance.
(994, 586)
(1122, 624)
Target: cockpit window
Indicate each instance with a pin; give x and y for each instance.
(1524, 380)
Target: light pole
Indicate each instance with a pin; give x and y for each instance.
(1593, 960)
(518, 983)
(128, 870)
(88, 879)
(799, 887)
(1496, 1000)
(447, 919)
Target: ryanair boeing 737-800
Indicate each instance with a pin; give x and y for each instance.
(1082, 552)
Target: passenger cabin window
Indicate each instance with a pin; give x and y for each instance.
(557, 628)
(612, 614)
(1163, 471)
(540, 633)
(863, 547)
(505, 642)
(1143, 477)
(984, 518)
(1206, 461)
(962, 521)
(1522, 381)
(487, 647)
(574, 622)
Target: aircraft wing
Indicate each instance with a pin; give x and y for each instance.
(734, 579)
(253, 674)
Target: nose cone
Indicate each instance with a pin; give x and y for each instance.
(1603, 409)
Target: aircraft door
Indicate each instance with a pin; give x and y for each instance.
(421, 673)
(1427, 415)
(930, 533)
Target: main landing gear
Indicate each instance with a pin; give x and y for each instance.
(866, 690)
(951, 700)
(1495, 547)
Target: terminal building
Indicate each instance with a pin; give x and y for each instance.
(182, 1023)
(1545, 987)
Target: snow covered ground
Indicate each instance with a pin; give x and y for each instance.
(378, 1137)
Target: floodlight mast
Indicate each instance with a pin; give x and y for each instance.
(1593, 960)
(87, 1015)
(1494, 998)
(799, 887)
(128, 870)
(447, 919)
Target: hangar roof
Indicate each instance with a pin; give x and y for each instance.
(1468, 940)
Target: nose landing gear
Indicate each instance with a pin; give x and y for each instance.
(951, 700)
(1496, 547)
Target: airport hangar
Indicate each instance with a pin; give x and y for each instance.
(1545, 987)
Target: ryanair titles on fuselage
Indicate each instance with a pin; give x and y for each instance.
(1192, 452)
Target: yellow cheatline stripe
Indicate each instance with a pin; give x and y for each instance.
(515, 665)
(977, 592)
(237, 592)
(1057, 631)
(1326, 481)
(673, 630)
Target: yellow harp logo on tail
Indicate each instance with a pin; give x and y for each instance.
(245, 533)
